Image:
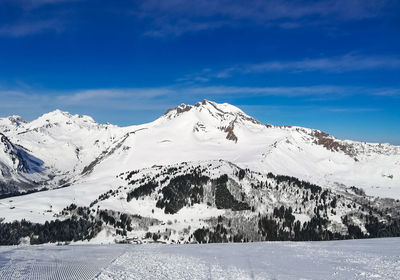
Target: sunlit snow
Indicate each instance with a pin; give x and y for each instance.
(352, 259)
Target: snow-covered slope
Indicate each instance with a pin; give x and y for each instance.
(64, 144)
(19, 170)
(73, 146)
(208, 201)
(137, 174)
(211, 131)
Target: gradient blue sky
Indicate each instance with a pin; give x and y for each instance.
(331, 65)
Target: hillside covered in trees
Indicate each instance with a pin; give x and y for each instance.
(214, 202)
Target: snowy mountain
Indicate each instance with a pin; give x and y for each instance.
(98, 172)
(63, 143)
(19, 170)
(70, 145)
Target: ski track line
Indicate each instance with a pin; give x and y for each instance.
(56, 263)
(358, 259)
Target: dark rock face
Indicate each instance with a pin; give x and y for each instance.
(330, 143)
(26, 162)
(180, 109)
(23, 164)
(231, 134)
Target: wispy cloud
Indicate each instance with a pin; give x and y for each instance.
(175, 17)
(320, 91)
(335, 64)
(123, 98)
(34, 4)
(332, 64)
(138, 105)
(268, 91)
(274, 109)
(31, 27)
(131, 98)
(352, 109)
(29, 17)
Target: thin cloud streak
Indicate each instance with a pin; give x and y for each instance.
(28, 28)
(122, 98)
(31, 17)
(34, 4)
(176, 17)
(84, 96)
(344, 63)
(338, 64)
(273, 109)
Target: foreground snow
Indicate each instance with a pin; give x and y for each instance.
(355, 259)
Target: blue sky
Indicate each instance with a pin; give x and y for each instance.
(331, 65)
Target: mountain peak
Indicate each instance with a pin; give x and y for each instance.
(215, 109)
(11, 123)
(56, 114)
(207, 116)
(16, 120)
(177, 110)
(221, 107)
(61, 117)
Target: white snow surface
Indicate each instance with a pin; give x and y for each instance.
(88, 155)
(352, 259)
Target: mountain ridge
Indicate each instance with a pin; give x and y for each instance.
(206, 126)
(206, 172)
(18, 120)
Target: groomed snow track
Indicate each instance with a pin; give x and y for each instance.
(352, 259)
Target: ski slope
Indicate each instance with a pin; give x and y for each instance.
(352, 259)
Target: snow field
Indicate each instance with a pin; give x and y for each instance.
(356, 259)
(56, 262)
(352, 259)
